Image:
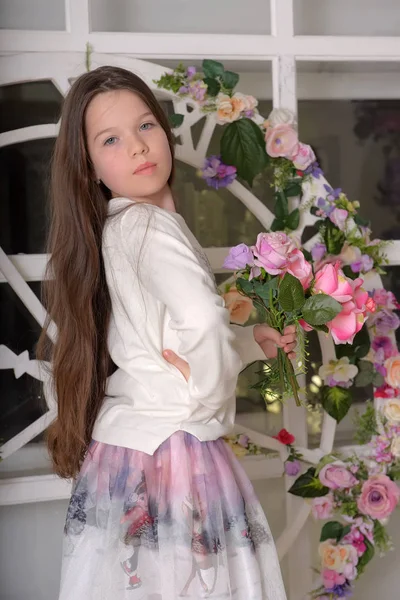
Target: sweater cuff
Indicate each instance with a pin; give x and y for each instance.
(246, 345)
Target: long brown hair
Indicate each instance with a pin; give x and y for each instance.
(75, 292)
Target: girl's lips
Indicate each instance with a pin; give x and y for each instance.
(145, 169)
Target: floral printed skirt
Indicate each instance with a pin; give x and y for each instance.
(183, 523)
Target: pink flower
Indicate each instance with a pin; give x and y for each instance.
(331, 280)
(346, 324)
(272, 251)
(336, 476)
(282, 140)
(331, 578)
(300, 268)
(385, 299)
(322, 507)
(379, 497)
(304, 158)
(338, 217)
(305, 325)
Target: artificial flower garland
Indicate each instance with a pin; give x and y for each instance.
(360, 490)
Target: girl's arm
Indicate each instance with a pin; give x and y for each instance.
(260, 342)
(170, 270)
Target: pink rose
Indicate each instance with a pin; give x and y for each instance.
(305, 325)
(304, 158)
(336, 476)
(346, 324)
(331, 280)
(379, 497)
(300, 268)
(322, 507)
(282, 140)
(272, 252)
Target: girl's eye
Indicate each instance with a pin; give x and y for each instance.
(110, 141)
(146, 126)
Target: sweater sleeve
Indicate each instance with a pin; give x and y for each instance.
(246, 345)
(169, 268)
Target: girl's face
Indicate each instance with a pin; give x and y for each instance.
(127, 146)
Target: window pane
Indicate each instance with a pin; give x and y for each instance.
(26, 104)
(21, 399)
(176, 16)
(25, 14)
(341, 17)
(23, 181)
(357, 143)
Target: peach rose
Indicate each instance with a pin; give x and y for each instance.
(240, 307)
(229, 109)
(304, 158)
(392, 365)
(282, 140)
(249, 102)
(336, 557)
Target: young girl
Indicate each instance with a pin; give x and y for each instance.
(161, 508)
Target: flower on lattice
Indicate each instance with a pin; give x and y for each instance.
(338, 372)
(242, 445)
(216, 173)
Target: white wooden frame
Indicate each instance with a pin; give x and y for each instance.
(284, 50)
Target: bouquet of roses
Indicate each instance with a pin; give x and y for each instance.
(275, 274)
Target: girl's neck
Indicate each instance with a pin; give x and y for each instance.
(163, 199)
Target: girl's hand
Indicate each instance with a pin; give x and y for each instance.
(270, 340)
(178, 362)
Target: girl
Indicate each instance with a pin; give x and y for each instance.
(160, 509)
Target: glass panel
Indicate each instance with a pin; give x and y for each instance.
(23, 176)
(41, 15)
(30, 103)
(341, 17)
(21, 399)
(176, 16)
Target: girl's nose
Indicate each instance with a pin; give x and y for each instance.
(137, 146)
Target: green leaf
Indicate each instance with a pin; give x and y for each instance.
(243, 146)
(291, 293)
(322, 328)
(333, 530)
(365, 373)
(336, 401)
(320, 309)
(176, 120)
(212, 68)
(293, 219)
(230, 79)
(333, 238)
(213, 86)
(366, 557)
(245, 286)
(293, 189)
(263, 289)
(378, 380)
(358, 349)
(349, 273)
(308, 486)
(360, 221)
(281, 208)
(314, 210)
(277, 225)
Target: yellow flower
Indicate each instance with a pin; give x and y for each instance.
(334, 557)
(229, 109)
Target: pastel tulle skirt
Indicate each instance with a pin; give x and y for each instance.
(183, 523)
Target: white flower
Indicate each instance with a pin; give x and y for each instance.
(338, 370)
(391, 410)
(395, 447)
(281, 116)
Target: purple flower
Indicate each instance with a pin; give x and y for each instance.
(243, 440)
(365, 264)
(338, 217)
(385, 321)
(249, 113)
(341, 591)
(217, 174)
(325, 207)
(314, 170)
(238, 257)
(380, 369)
(191, 71)
(183, 90)
(318, 251)
(333, 194)
(331, 382)
(292, 467)
(384, 343)
(198, 90)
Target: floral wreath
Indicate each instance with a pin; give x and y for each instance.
(360, 490)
